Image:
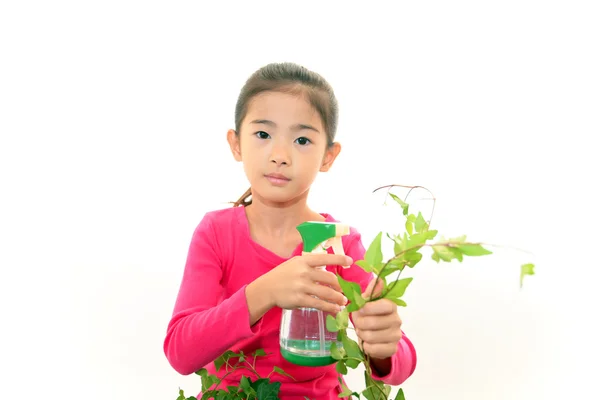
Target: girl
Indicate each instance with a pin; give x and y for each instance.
(245, 263)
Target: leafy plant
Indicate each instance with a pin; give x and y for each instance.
(407, 253)
(407, 248)
(251, 387)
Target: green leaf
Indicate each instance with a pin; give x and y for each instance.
(345, 391)
(205, 379)
(526, 269)
(409, 227)
(420, 223)
(370, 393)
(224, 358)
(399, 245)
(342, 319)
(458, 239)
(259, 353)
(352, 291)
(387, 389)
(416, 241)
(212, 380)
(399, 395)
(336, 353)
(268, 391)
(282, 372)
(352, 349)
(398, 288)
(331, 323)
(397, 263)
(219, 362)
(246, 386)
(352, 363)
(392, 266)
(399, 302)
(473, 250)
(377, 268)
(413, 258)
(355, 306)
(456, 253)
(435, 257)
(443, 253)
(222, 395)
(374, 389)
(364, 265)
(431, 234)
(341, 367)
(402, 203)
(245, 382)
(374, 256)
(258, 383)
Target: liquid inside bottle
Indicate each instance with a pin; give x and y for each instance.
(304, 338)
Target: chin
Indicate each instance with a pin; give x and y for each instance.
(274, 195)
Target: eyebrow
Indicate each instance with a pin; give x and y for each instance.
(295, 128)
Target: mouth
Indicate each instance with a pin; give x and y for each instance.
(277, 179)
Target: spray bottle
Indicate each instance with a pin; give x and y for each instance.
(304, 339)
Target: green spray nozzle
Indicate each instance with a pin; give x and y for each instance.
(317, 236)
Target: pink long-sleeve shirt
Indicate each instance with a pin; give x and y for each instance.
(211, 314)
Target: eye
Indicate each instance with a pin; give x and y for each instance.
(262, 135)
(303, 141)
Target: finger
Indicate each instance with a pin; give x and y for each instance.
(379, 322)
(326, 278)
(389, 335)
(378, 289)
(380, 350)
(319, 304)
(319, 260)
(327, 293)
(379, 307)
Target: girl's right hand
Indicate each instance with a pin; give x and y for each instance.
(296, 282)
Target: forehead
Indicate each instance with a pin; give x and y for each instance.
(284, 108)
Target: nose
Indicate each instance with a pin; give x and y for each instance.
(280, 154)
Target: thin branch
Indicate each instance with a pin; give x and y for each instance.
(411, 188)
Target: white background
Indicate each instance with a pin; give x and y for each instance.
(113, 117)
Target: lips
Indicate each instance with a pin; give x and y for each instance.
(278, 176)
(277, 179)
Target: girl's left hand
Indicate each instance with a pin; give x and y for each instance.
(377, 325)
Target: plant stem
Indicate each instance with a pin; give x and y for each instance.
(446, 244)
(369, 381)
(235, 368)
(411, 188)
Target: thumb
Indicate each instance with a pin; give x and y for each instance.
(378, 289)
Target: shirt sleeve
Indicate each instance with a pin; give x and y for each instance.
(404, 361)
(203, 325)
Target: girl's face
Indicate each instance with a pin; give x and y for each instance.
(283, 145)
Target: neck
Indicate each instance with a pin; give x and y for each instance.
(277, 219)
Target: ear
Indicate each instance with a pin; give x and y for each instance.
(330, 155)
(234, 144)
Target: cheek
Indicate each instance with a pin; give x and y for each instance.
(252, 151)
(312, 157)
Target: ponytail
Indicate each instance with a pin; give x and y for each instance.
(243, 200)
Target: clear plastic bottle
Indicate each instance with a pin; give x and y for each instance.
(304, 338)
